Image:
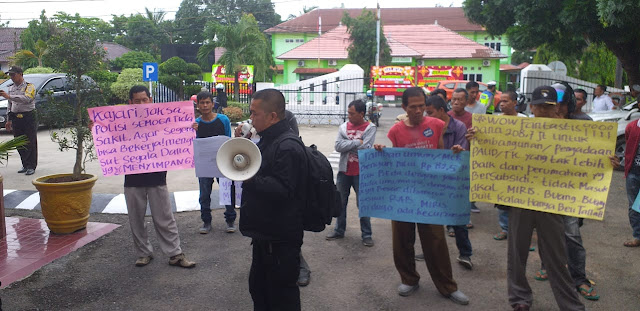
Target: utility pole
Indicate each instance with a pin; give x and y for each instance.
(377, 51)
(378, 37)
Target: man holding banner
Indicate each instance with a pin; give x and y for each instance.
(454, 134)
(151, 189)
(550, 229)
(211, 124)
(418, 131)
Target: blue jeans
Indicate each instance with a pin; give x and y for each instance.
(205, 201)
(344, 184)
(503, 220)
(462, 240)
(633, 186)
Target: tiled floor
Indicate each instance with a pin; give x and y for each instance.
(29, 245)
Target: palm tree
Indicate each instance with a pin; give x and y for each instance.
(244, 44)
(154, 16)
(23, 56)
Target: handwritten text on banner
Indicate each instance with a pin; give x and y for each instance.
(550, 165)
(415, 185)
(132, 139)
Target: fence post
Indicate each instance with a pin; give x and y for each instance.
(3, 226)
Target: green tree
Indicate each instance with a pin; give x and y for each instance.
(362, 31)
(175, 73)
(133, 59)
(567, 27)
(125, 81)
(245, 44)
(95, 27)
(194, 14)
(77, 53)
(598, 64)
(141, 34)
(38, 30)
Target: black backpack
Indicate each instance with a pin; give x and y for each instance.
(322, 200)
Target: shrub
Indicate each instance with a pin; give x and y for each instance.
(133, 59)
(127, 79)
(39, 70)
(234, 113)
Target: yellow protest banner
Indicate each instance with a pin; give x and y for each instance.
(551, 165)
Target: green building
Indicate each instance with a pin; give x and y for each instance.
(299, 56)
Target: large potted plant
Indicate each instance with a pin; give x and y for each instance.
(65, 198)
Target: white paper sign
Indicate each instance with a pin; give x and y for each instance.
(225, 191)
(204, 155)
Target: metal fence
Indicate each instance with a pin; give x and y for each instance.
(163, 94)
(323, 100)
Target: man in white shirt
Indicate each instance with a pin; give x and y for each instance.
(601, 101)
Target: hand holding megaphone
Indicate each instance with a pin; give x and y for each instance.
(238, 159)
(244, 129)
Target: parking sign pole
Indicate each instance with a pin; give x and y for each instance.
(151, 89)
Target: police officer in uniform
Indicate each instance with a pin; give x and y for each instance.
(487, 97)
(21, 117)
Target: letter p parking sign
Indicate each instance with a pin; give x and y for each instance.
(149, 71)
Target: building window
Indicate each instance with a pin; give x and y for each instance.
(493, 45)
(472, 77)
(498, 46)
(288, 40)
(486, 44)
(299, 40)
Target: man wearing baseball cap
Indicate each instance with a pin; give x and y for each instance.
(21, 117)
(550, 229)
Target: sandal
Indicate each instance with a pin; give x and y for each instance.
(632, 243)
(469, 225)
(532, 248)
(451, 232)
(500, 236)
(588, 294)
(541, 275)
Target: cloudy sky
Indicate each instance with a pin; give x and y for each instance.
(19, 13)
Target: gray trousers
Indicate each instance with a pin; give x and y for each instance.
(163, 220)
(576, 253)
(551, 245)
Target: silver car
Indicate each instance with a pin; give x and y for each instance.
(623, 117)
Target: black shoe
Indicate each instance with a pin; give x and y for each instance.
(465, 261)
(304, 278)
(333, 236)
(206, 228)
(30, 172)
(22, 170)
(419, 257)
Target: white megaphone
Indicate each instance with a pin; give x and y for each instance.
(238, 159)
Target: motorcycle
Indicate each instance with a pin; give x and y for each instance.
(374, 112)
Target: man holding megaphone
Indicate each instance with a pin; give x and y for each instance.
(272, 200)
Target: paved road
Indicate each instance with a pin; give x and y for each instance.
(346, 275)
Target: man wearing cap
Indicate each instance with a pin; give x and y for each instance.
(486, 98)
(21, 117)
(550, 229)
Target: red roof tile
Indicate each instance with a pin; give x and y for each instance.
(451, 18)
(314, 70)
(419, 41)
(509, 67)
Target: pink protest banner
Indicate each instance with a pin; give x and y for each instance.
(144, 138)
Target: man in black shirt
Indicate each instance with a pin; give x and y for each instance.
(272, 200)
(151, 188)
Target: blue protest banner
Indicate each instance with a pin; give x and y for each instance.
(427, 186)
(636, 204)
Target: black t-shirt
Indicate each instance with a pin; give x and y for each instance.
(210, 129)
(146, 179)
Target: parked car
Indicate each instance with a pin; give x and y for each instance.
(450, 85)
(50, 82)
(623, 116)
